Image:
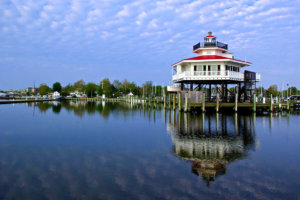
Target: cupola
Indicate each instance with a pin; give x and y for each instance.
(210, 38)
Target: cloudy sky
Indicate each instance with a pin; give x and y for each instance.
(44, 41)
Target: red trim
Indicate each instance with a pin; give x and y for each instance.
(209, 57)
(241, 61)
(209, 36)
(212, 57)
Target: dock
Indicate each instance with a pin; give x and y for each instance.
(24, 101)
(183, 104)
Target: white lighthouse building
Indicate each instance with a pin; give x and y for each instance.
(213, 65)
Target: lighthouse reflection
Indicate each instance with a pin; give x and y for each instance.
(211, 142)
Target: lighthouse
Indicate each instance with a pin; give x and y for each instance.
(214, 67)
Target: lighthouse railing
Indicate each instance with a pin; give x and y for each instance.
(209, 75)
(210, 44)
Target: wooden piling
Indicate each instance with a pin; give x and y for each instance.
(186, 104)
(288, 104)
(235, 102)
(254, 103)
(179, 102)
(164, 101)
(203, 102)
(174, 102)
(217, 103)
(271, 103)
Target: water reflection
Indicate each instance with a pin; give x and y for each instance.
(81, 108)
(211, 142)
(76, 155)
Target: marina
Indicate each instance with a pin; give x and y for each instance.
(184, 104)
(149, 100)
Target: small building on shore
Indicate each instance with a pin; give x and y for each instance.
(31, 90)
(213, 66)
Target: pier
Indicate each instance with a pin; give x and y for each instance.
(186, 103)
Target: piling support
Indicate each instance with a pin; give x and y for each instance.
(235, 102)
(254, 103)
(288, 104)
(164, 101)
(179, 102)
(271, 103)
(174, 102)
(209, 92)
(169, 101)
(203, 102)
(217, 103)
(186, 104)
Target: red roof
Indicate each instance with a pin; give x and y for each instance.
(209, 36)
(212, 57)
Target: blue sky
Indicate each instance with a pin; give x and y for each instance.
(67, 40)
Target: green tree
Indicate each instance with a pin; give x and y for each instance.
(44, 89)
(106, 88)
(125, 89)
(133, 88)
(157, 90)
(57, 87)
(117, 88)
(259, 91)
(99, 90)
(79, 85)
(117, 85)
(147, 88)
(273, 89)
(91, 89)
(65, 91)
(293, 91)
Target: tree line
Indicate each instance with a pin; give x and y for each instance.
(118, 88)
(105, 87)
(273, 89)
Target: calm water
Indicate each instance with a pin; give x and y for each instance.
(112, 151)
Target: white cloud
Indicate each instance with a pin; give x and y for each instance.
(141, 17)
(177, 23)
(153, 24)
(125, 12)
(94, 15)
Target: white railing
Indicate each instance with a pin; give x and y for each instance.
(209, 75)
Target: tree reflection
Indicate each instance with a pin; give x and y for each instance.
(80, 108)
(56, 108)
(211, 142)
(43, 107)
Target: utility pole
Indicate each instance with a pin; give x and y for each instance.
(282, 89)
(287, 90)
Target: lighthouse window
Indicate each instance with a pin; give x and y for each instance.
(175, 70)
(198, 67)
(208, 68)
(204, 67)
(219, 67)
(214, 68)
